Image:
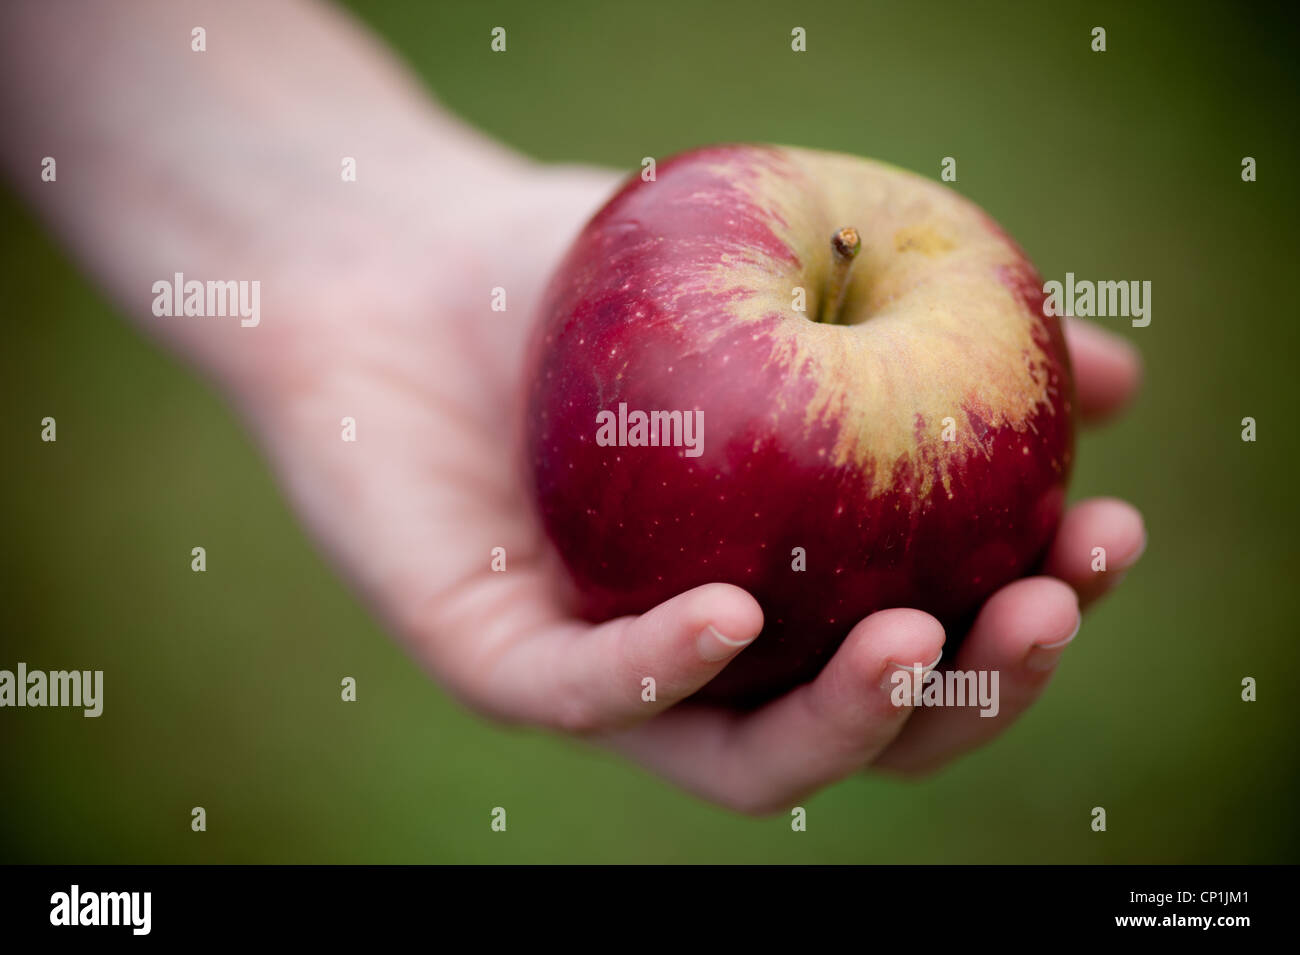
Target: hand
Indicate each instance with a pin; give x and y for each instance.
(413, 508)
(376, 308)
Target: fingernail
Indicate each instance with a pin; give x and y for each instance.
(713, 646)
(1044, 656)
(1137, 555)
(887, 681)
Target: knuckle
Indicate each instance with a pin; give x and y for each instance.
(755, 805)
(576, 715)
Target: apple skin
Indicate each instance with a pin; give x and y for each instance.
(827, 437)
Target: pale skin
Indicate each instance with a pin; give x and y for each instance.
(226, 164)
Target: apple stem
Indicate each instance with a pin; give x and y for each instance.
(845, 245)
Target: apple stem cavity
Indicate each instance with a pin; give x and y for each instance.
(845, 245)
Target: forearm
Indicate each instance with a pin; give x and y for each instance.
(226, 165)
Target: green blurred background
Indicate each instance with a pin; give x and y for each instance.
(222, 689)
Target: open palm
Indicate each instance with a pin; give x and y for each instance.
(413, 508)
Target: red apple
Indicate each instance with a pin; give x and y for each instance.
(911, 430)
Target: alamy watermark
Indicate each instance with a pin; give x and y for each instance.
(77, 688)
(915, 686)
(654, 429)
(1088, 299)
(213, 299)
(74, 907)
